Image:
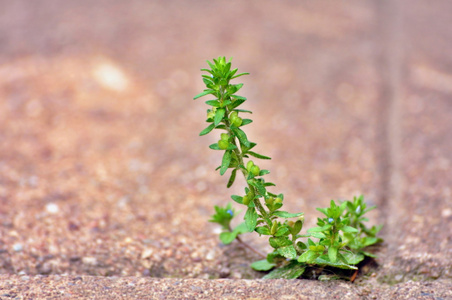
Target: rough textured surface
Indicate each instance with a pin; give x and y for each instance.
(105, 186)
(88, 287)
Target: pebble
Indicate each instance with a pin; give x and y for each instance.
(147, 253)
(88, 260)
(18, 247)
(45, 268)
(398, 277)
(52, 208)
(225, 272)
(195, 257)
(210, 255)
(445, 213)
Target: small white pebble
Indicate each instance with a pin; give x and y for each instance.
(18, 247)
(398, 277)
(147, 253)
(52, 208)
(88, 260)
(445, 213)
(210, 255)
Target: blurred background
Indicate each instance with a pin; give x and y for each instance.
(102, 170)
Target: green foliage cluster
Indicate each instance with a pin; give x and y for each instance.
(340, 237)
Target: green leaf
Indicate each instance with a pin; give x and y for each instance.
(246, 122)
(207, 129)
(243, 111)
(226, 103)
(292, 270)
(207, 81)
(206, 92)
(301, 245)
(281, 231)
(262, 265)
(212, 66)
(221, 126)
(225, 162)
(232, 178)
(315, 229)
(324, 260)
(216, 147)
(353, 258)
(260, 187)
(308, 256)
(227, 237)
(257, 155)
(285, 214)
(207, 70)
(232, 73)
(237, 87)
(367, 241)
(318, 235)
(214, 103)
(263, 230)
(368, 254)
(326, 227)
(251, 219)
(245, 149)
(228, 68)
(369, 209)
(241, 136)
(278, 242)
(297, 227)
(241, 74)
(323, 211)
(237, 97)
(264, 172)
(332, 254)
(237, 199)
(288, 252)
(236, 103)
(219, 114)
(349, 229)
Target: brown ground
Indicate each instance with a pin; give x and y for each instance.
(102, 171)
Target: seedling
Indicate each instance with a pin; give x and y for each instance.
(340, 237)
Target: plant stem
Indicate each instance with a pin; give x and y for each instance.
(239, 155)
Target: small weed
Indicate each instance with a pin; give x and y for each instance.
(340, 238)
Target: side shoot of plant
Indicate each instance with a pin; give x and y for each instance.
(340, 237)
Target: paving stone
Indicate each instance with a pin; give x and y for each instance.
(99, 191)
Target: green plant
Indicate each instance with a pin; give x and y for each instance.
(340, 236)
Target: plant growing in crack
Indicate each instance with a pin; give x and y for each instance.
(339, 238)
